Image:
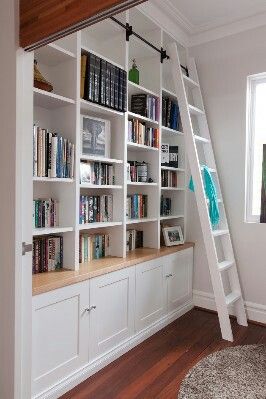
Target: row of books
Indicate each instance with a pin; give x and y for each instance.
(134, 239)
(169, 155)
(139, 133)
(103, 83)
(137, 206)
(53, 156)
(137, 171)
(170, 114)
(166, 206)
(47, 254)
(168, 178)
(96, 209)
(45, 213)
(98, 173)
(93, 247)
(145, 105)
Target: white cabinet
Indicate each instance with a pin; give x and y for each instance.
(150, 292)
(112, 299)
(178, 277)
(60, 340)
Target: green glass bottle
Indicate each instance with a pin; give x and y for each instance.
(133, 74)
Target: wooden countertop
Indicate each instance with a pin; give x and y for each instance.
(45, 282)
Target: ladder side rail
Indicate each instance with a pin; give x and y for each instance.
(200, 196)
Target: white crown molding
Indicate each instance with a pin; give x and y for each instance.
(228, 29)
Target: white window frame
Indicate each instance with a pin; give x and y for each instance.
(252, 82)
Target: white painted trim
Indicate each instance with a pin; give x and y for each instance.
(255, 311)
(85, 372)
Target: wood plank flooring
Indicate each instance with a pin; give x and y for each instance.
(156, 367)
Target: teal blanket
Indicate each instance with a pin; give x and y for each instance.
(211, 194)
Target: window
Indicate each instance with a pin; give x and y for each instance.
(256, 137)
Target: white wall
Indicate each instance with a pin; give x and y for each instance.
(223, 66)
(8, 30)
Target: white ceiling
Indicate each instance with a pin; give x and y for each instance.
(201, 15)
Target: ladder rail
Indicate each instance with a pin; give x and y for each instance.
(208, 236)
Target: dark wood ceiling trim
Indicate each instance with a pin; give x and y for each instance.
(43, 21)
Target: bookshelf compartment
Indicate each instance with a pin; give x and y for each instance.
(177, 202)
(151, 160)
(150, 229)
(50, 100)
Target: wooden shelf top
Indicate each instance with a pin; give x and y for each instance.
(45, 282)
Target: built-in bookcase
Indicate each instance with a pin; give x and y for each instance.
(61, 110)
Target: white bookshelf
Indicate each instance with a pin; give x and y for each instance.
(60, 111)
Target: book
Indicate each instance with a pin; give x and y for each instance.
(137, 206)
(47, 254)
(96, 208)
(45, 213)
(165, 154)
(166, 206)
(90, 76)
(97, 72)
(173, 156)
(134, 239)
(98, 173)
(83, 63)
(171, 114)
(139, 133)
(94, 246)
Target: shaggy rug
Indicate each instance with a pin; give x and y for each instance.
(233, 373)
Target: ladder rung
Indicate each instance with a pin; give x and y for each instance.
(190, 82)
(217, 233)
(219, 201)
(226, 264)
(201, 139)
(231, 298)
(212, 170)
(194, 110)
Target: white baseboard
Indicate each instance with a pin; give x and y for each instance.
(82, 374)
(255, 311)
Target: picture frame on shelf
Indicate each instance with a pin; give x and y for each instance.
(85, 173)
(173, 236)
(95, 136)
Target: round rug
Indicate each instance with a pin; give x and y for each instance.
(233, 373)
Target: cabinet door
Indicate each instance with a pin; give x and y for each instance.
(112, 299)
(60, 334)
(150, 292)
(178, 274)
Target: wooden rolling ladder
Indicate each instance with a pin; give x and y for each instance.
(217, 241)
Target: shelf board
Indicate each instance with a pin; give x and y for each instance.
(142, 220)
(53, 179)
(134, 88)
(169, 93)
(173, 188)
(171, 132)
(52, 55)
(132, 183)
(201, 139)
(88, 50)
(104, 186)
(132, 115)
(190, 82)
(95, 158)
(98, 225)
(169, 217)
(97, 109)
(172, 169)
(212, 170)
(194, 110)
(45, 99)
(220, 232)
(51, 230)
(140, 147)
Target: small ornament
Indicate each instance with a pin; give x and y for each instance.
(39, 81)
(133, 74)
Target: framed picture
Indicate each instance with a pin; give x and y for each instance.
(173, 236)
(95, 136)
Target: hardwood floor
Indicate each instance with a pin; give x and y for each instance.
(156, 367)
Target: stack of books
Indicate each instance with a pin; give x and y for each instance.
(137, 206)
(145, 105)
(166, 206)
(47, 254)
(53, 156)
(93, 247)
(134, 239)
(137, 171)
(96, 209)
(97, 173)
(170, 114)
(168, 178)
(139, 133)
(103, 83)
(45, 213)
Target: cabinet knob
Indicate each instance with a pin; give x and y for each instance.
(169, 275)
(90, 308)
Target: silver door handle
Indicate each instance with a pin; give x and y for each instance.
(169, 275)
(90, 308)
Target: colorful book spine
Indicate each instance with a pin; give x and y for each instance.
(137, 206)
(93, 247)
(95, 209)
(47, 254)
(45, 213)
